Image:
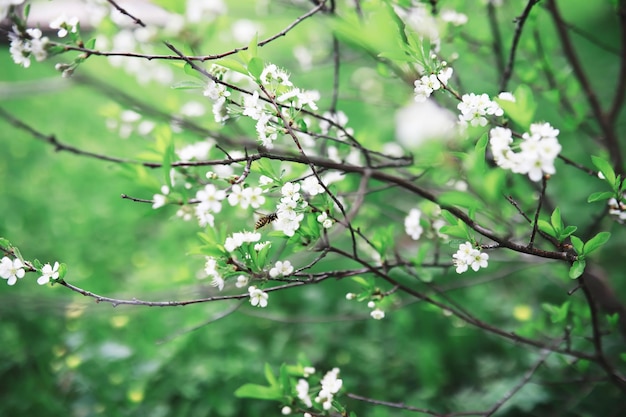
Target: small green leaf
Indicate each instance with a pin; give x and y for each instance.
(605, 168)
(62, 270)
(521, 111)
(258, 392)
(37, 264)
(285, 381)
(269, 375)
(188, 85)
(91, 43)
(460, 199)
(449, 217)
(362, 282)
(455, 231)
(188, 69)
(547, 228)
(234, 65)
(567, 231)
(556, 221)
(255, 67)
(558, 314)
(577, 268)
(253, 46)
(596, 242)
(481, 149)
(578, 245)
(582, 365)
(601, 195)
(4, 243)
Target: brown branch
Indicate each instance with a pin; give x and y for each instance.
(620, 90)
(527, 376)
(542, 195)
(124, 12)
(521, 20)
(610, 136)
(463, 316)
(496, 45)
(405, 183)
(406, 407)
(617, 379)
(200, 58)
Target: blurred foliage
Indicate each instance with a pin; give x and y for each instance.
(63, 354)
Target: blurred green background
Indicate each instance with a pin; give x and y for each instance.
(63, 354)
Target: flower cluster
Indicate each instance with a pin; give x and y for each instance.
(330, 385)
(14, 269)
(376, 313)
(287, 218)
(324, 220)
(211, 269)
(245, 197)
(65, 25)
(537, 150)
(474, 108)
(11, 270)
(218, 93)
(209, 201)
(23, 47)
(281, 269)
(467, 256)
(258, 298)
(617, 209)
(412, 224)
(239, 238)
(425, 86)
(5, 5)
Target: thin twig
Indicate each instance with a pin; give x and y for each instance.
(544, 185)
(521, 20)
(527, 376)
(610, 136)
(124, 12)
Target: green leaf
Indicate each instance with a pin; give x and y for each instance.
(577, 268)
(521, 111)
(255, 67)
(455, 231)
(91, 43)
(269, 375)
(253, 46)
(187, 85)
(557, 222)
(285, 381)
(596, 242)
(258, 392)
(578, 245)
(362, 282)
(601, 195)
(582, 365)
(558, 314)
(233, 64)
(188, 69)
(567, 231)
(481, 149)
(459, 199)
(449, 217)
(4, 243)
(605, 168)
(62, 270)
(547, 228)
